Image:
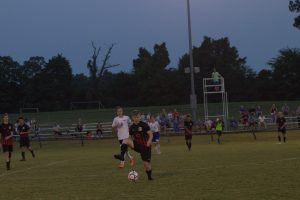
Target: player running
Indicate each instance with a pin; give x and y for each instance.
(281, 127)
(188, 128)
(121, 124)
(155, 128)
(24, 131)
(7, 130)
(141, 143)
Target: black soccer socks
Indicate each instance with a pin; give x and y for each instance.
(149, 174)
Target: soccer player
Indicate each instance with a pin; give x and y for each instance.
(210, 128)
(121, 123)
(141, 143)
(24, 131)
(219, 129)
(6, 130)
(281, 127)
(155, 128)
(252, 123)
(188, 128)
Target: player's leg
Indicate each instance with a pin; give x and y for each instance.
(253, 131)
(30, 148)
(279, 136)
(146, 157)
(23, 149)
(124, 148)
(219, 133)
(284, 134)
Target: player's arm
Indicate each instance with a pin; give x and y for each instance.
(150, 134)
(114, 124)
(9, 136)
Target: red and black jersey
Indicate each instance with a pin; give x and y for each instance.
(6, 130)
(188, 125)
(280, 122)
(23, 129)
(139, 133)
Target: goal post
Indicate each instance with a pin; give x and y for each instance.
(85, 105)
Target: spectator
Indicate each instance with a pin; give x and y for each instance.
(273, 112)
(216, 79)
(210, 128)
(242, 110)
(285, 109)
(258, 111)
(79, 127)
(99, 131)
(89, 135)
(261, 121)
(233, 123)
(298, 116)
(176, 121)
(57, 130)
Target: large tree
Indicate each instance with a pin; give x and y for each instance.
(294, 6)
(54, 88)
(286, 74)
(10, 95)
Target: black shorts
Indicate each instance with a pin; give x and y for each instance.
(282, 130)
(143, 150)
(24, 142)
(188, 136)
(7, 148)
(219, 133)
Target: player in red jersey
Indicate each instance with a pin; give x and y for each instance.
(24, 131)
(6, 130)
(141, 143)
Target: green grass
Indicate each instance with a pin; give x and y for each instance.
(240, 169)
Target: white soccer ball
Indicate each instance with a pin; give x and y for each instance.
(133, 175)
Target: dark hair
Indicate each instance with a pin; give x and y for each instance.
(135, 112)
(119, 107)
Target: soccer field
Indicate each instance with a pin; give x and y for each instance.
(240, 168)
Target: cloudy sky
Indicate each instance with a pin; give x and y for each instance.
(258, 28)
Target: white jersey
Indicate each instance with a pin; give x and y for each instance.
(154, 126)
(122, 125)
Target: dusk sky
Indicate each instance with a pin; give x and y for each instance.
(258, 28)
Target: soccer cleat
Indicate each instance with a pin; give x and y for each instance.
(117, 156)
(132, 161)
(121, 164)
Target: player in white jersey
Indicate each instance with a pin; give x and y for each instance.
(155, 128)
(120, 123)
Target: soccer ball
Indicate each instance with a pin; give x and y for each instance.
(133, 175)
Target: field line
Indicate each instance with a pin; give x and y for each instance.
(8, 173)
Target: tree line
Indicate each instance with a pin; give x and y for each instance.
(50, 84)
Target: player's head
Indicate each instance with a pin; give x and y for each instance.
(152, 118)
(5, 118)
(21, 120)
(119, 111)
(136, 116)
(188, 117)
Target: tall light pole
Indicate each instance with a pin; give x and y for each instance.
(193, 97)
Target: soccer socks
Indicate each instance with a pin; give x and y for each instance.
(8, 165)
(158, 148)
(124, 149)
(128, 155)
(32, 153)
(149, 174)
(190, 145)
(284, 139)
(279, 139)
(23, 156)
